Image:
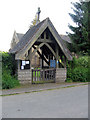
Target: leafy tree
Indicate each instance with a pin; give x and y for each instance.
(80, 35)
(36, 19)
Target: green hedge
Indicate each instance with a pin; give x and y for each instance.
(77, 70)
(9, 81)
(80, 74)
(9, 78)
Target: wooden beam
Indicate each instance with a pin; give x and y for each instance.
(40, 47)
(31, 42)
(41, 56)
(36, 50)
(48, 47)
(45, 40)
(51, 49)
(57, 56)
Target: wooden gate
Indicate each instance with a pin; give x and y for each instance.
(43, 75)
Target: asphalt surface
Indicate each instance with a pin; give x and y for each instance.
(60, 103)
(38, 87)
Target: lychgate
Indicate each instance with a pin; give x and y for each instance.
(41, 47)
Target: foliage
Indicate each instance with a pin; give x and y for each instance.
(82, 61)
(8, 63)
(77, 70)
(80, 74)
(80, 35)
(9, 79)
(36, 19)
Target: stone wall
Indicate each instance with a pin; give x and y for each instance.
(25, 76)
(61, 75)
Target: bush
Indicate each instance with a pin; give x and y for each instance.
(82, 61)
(80, 74)
(77, 70)
(8, 63)
(8, 81)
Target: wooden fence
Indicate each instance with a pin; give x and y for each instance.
(43, 75)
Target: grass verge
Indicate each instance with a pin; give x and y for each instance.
(45, 90)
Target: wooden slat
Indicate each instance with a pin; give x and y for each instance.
(45, 75)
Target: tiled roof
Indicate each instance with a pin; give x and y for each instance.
(66, 38)
(19, 35)
(27, 38)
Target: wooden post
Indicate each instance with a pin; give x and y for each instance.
(29, 55)
(18, 64)
(42, 58)
(44, 35)
(49, 59)
(32, 76)
(57, 55)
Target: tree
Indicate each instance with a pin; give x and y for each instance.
(80, 35)
(36, 20)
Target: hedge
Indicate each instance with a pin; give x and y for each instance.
(9, 78)
(77, 70)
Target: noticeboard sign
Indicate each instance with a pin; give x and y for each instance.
(53, 63)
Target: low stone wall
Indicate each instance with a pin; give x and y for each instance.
(61, 75)
(25, 76)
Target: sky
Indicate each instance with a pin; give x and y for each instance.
(17, 15)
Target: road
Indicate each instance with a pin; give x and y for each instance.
(60, 103)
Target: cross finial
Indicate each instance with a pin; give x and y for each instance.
(39, 11)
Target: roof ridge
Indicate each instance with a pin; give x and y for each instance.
(30, 33)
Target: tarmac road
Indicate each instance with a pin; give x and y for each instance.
(60, 103)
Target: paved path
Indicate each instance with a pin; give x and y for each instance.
(38, 87)
(60, 103)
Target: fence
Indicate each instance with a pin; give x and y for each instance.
(43, 75)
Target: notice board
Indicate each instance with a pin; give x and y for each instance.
(53, 63)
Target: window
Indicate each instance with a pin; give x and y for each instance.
(25, 64)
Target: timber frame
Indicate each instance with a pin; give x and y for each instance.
(22, 51)
(44, 40)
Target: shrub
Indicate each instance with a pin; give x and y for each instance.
(80, 74)
(8, 81)
(77, 70)
(82, 61)
(8, 62)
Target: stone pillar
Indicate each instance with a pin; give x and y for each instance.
(61, 75)
(24, 76)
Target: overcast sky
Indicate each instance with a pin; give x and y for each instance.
(18, 14)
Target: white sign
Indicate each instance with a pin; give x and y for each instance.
(27, 62)
(23, 63)
(22, 67)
